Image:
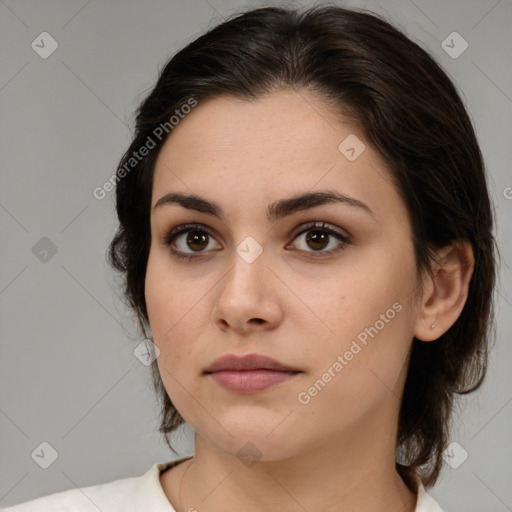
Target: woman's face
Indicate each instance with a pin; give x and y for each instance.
(335, 303)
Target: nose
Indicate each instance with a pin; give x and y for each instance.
(249, 297)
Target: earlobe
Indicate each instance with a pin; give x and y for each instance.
(446, 292)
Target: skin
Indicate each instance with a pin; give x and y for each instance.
(338, 451)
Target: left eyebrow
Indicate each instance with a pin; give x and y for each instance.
(275, 211)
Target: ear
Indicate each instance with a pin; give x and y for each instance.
(445, 294)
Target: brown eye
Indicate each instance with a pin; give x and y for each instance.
(319, 237)
(199, 239)
(194, 244)
(317, 240)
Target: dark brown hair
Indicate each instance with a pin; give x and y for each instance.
(409, 110)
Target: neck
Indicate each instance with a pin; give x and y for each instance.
(348, 480)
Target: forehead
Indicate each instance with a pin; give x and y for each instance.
(282, 122)
(282, 142)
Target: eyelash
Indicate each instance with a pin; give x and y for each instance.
(316, 226)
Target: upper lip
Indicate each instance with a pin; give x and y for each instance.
(247, 362)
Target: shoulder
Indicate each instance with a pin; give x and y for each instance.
(93, 498)
(425, 502)
(128, 494)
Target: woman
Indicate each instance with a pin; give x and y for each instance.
(306, 230)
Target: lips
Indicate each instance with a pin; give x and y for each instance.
(249, 374)
(248, 362)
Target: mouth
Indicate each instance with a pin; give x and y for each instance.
(250, 381)
(248, 362)
(249, 374)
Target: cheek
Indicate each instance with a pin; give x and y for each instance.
(361, 315)
(178, 315)
(168, 296)
(167, 304)
(338, 307)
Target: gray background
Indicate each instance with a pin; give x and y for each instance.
(68, 373)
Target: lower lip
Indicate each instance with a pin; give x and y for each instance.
(250, 381)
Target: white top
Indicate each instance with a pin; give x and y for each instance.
(138, 493)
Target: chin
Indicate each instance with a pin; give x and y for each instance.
(264, 442)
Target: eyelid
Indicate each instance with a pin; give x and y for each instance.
(169, 237)
(298, 231)
(321, 225)
(344, 237)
